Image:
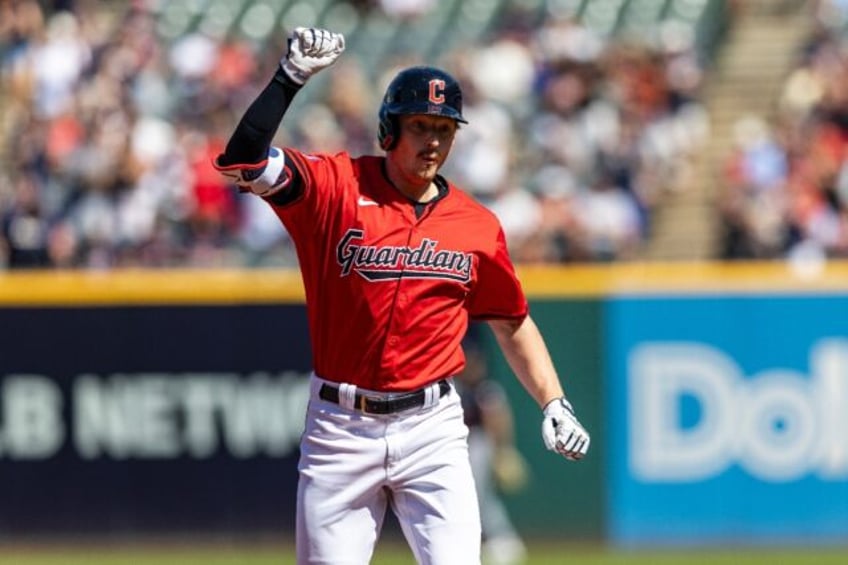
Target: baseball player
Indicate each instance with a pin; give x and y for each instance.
(395, 260)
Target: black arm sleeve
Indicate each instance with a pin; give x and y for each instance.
(253, 135)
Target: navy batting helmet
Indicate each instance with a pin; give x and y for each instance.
(418, 90)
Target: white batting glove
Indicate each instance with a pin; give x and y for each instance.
(562, 432)
(310, 50)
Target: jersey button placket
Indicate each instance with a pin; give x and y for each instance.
(396, 327)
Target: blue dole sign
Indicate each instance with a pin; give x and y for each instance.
(728, 419)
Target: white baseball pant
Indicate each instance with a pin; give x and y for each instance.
(353, 465)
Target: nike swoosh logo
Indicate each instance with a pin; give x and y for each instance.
(362, 201)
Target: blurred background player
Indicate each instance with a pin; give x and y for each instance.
(497, 465)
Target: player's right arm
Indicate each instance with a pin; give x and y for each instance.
(249, 161)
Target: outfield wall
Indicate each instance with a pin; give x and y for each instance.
(136, 402)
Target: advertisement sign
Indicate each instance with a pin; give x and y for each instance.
(727, 419)
(151, 418)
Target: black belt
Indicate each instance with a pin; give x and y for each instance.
(377, 405)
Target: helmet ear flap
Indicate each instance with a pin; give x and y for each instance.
(387, 134)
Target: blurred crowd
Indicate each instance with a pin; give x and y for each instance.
(107, 132)
(785, 182)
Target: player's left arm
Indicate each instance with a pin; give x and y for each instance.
(527, 355)
(525, 351)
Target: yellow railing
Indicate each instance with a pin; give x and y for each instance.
(69, 288)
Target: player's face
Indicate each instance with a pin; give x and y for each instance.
(424, 144)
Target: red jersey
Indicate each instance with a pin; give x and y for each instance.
(389, 294)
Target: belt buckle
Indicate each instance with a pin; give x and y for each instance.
(377, 403)
(363, 403)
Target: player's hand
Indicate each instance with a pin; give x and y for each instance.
(562, 432)
(310, 50)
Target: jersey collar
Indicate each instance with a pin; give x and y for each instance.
(441, 185)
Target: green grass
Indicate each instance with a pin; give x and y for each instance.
(396, 554)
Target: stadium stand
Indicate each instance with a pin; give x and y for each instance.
(783, 171)
(743, 90)
(584, 116)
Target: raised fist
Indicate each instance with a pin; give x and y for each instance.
(310, 50)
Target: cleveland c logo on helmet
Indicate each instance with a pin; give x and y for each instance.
(437, 91)
(418, 90)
